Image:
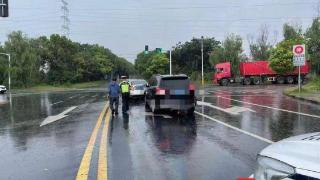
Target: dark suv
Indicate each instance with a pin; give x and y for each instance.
(170, 92)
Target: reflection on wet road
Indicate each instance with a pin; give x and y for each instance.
(159, 147)
(220, 141)
(143, 146)
(54, 151)
(276, 116)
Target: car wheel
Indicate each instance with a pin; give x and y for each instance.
(191, 111)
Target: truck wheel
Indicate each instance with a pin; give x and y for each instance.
(246, 81)
(280, 80)
(224, 82)
(256, 81)
(302, 79)
(290, 80)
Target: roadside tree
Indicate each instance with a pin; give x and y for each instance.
(260, 48)
(313, 44)
(281, 55)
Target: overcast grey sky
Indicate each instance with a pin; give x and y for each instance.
(125, 26)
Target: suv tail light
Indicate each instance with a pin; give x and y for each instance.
(192, 87)
(160, 91)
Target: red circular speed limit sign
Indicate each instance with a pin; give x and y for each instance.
(299, 49)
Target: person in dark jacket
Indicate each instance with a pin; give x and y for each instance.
(114, 92)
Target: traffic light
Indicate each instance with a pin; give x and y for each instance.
(159, 50)
(146, 49)
(4, 8)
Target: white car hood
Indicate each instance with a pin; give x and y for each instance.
(2, 87)
(302, 152)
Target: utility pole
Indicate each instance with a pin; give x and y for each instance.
(65, 18)
(9, 74)
(202, 80)
(170, 62)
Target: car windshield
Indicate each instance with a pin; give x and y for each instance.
(219, 70)
(175, 83)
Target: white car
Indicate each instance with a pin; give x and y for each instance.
(296, 158)
(3, 89)
(138, 87)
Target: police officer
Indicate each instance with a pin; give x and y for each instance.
(125, 93)
(114, 92)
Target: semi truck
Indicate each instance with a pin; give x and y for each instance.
(255, 73)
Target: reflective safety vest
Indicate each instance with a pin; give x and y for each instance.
(124, 86)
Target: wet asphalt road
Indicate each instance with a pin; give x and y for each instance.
(146, 146)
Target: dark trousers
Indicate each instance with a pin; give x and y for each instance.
(114, 103)
(125, 102)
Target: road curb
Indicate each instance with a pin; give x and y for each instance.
(301, 98)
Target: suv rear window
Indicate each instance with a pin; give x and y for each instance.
(135, 82)
(175, 83)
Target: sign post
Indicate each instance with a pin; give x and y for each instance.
(299, 59)
(4, 8)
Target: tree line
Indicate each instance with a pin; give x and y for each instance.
(57, 60)
(186, 57)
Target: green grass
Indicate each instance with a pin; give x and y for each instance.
(62, 87)
(313, 85)
(310, 91)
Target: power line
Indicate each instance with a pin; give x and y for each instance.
(65, 18)
(137, 20)
(198, 7)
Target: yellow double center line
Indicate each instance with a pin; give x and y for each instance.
(86, 159)
(102, 164)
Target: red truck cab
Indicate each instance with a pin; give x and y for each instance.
(222, 73)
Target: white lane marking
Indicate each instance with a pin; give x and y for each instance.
(72, 97)
(51, 119)
(235, 128)
(57, 103)
(278, 109)
(253, 91)
(82, 97)
(94, 96)
(235, 110)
